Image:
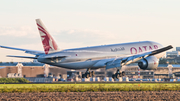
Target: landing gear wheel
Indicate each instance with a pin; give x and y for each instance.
(113, 76)
(92, 72)
(83, 75)
(118, 74)
(123, 73)
(87, 75)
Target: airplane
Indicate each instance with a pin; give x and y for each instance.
(145, 53)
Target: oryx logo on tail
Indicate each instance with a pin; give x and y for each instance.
(48, 42)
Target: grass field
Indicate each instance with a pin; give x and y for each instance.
(89, 87)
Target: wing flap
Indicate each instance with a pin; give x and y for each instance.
(112, 64)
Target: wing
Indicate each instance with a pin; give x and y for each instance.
(34, 52)
(119, 62)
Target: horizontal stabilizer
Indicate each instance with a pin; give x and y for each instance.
(34, 52)
(22, 57)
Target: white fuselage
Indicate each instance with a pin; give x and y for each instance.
(95, 57)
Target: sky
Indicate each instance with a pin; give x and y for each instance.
(82, 23)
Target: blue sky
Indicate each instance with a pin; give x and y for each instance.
(81, 23)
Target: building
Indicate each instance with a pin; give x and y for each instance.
(172, 54)
(177, 48)
(31, 70)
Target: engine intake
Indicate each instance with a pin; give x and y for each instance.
(149, 63)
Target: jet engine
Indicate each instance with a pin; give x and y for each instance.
(149, 63)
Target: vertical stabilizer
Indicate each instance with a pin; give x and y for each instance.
(48, 42)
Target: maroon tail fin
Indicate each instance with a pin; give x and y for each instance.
(48, 42)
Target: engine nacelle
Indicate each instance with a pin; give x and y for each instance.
(149, 63)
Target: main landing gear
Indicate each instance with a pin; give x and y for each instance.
(118, 74)
(88, 73)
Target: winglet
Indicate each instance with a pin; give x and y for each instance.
(48, 42)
